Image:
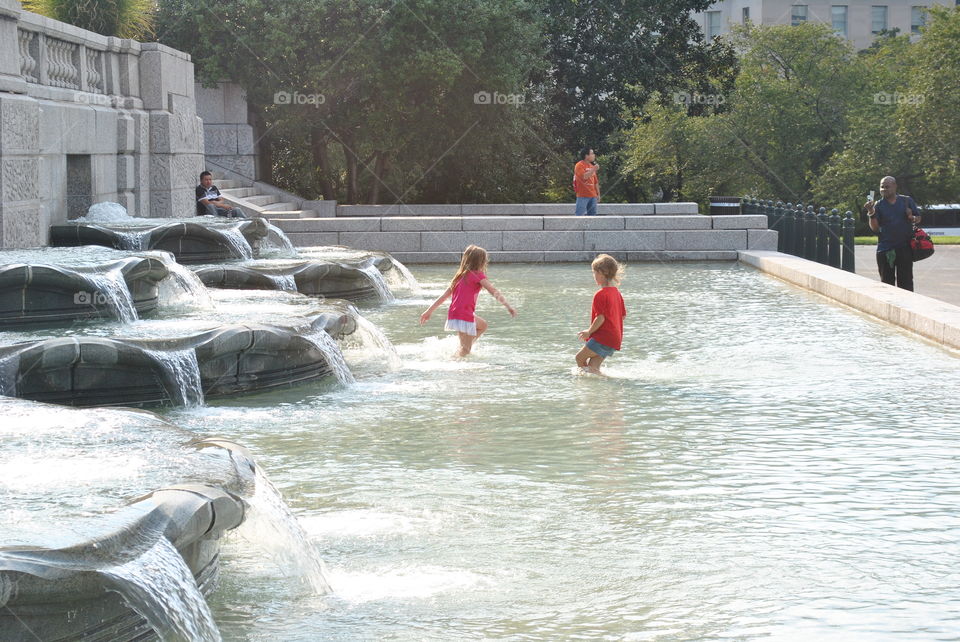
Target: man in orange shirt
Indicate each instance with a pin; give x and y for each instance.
(586, 184)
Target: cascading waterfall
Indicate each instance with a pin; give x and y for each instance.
(132, 240)
(331, 351)
(9, 367)
(371, 337)
(376, 278)
(160, 587)
(238, 243)
(182, 287)
(285, 282)
(182, 373)
(272, 525)
(276, 239)
(113, 288)
(401, 276)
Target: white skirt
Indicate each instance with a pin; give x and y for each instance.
(458, 325)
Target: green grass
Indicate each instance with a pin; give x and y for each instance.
(937, 240)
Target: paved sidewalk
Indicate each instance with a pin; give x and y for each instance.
(937, 277)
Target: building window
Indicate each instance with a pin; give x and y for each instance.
(713, 24)
(878, 21)
(746, 14)
(798, 14)
(838, 14)
(918, 18)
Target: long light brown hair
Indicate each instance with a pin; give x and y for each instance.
(474, 259)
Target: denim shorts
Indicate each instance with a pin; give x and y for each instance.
(599, 348)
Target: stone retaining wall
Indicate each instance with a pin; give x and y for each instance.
(423, 239)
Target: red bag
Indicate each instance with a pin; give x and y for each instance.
(921, 244)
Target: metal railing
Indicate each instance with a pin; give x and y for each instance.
(807, 232)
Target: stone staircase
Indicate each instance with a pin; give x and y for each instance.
(257, 203)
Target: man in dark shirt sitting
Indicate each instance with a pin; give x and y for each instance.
(211, 203)
(893, 217)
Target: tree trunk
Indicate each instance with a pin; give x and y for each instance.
(380, 168)
(353, 193)
(321, 158)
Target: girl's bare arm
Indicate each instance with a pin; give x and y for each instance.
(495, 293)
(436, 304)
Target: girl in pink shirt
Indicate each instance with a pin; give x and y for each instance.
(465, 288)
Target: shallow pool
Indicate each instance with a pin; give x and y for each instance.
(758, 464)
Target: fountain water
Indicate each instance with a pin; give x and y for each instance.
(377, 279)
(285, 282)
(182, 288)
(113, 288)
(331, 351)
(370, 337)
(238, 243)
(181, 375)
(160, 587)
(272, 525)
(401, 276)
(277, 240)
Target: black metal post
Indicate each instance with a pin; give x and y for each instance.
(848, 262)
(810, 234)
(834, 242)
(823, 235)
(798, 231)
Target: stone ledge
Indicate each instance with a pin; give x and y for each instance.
(932, 319)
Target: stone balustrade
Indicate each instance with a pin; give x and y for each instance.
(86, 118)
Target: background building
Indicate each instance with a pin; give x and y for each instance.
(858, 21)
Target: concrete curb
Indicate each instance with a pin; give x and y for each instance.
(932, 319)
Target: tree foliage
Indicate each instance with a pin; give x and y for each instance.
(809, 118)
(120, 18)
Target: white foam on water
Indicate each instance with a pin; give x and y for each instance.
(331, 350)
(272, 526)
(159, 586)
(51, 471)
(106, 212)
(410, 583)
(183, 371)
(370, 523)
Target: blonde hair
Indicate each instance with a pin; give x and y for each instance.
(474, 259)
(608, 268)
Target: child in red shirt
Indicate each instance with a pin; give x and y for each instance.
(605, 333)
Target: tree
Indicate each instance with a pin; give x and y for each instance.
(607, 57)
(120, 18)
(406, 95)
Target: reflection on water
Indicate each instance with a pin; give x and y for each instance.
(754, 466)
